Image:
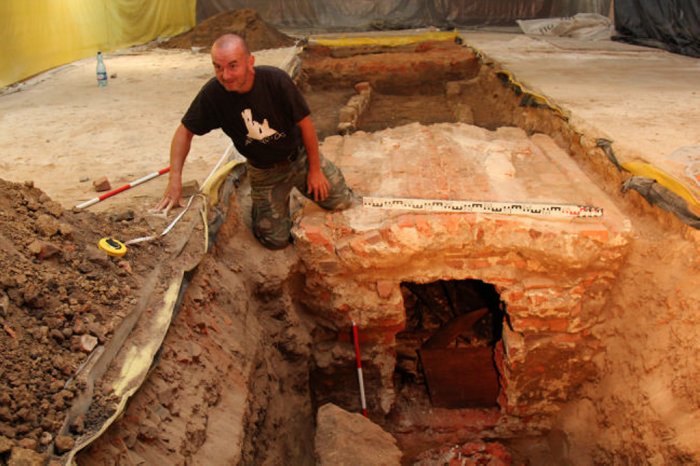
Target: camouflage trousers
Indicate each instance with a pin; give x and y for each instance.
(270, 192)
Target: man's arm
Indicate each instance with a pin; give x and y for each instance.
(316, 181)
(179, 148)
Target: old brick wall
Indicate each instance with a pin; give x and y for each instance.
(552, 275)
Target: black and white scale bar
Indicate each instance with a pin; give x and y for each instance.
(484, 207)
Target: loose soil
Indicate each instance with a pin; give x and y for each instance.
(246, 23)
(60, 296)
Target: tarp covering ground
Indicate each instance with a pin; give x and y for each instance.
(401, 14)
(673, 25)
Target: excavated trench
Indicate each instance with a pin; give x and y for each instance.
(250, 358)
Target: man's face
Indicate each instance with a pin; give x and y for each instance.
(233, 68)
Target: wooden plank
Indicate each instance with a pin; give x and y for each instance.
(460, 377)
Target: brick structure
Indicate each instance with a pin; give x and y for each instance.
(552, 274)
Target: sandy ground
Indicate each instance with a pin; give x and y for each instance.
(62, 131)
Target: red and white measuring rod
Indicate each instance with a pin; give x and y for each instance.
(356, 339)
(111, 193)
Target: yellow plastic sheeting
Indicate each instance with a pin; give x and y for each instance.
(389, 41)
(211, 188)
(664, 179)
(138, 360)
(38, 35)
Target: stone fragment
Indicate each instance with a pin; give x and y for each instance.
(363, 86)
(64, 443)
(25, 457)
(4, 304)
(166, 396)
(87, 343)
(28, 443)
(78, 424)
(344, 438)
(101, 184)
(65, 230)
(7, 430)
(54, 208)
(190, 188)
(385, 288)
(43, 250)
(45, 438)
(148, 430)
(345, 128)
(5, 444)
(46, 225)
(125, 216)
(124, 265)
(347, 114)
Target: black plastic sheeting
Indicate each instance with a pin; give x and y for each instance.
(673, 25)
(659, 196)
(362, 15)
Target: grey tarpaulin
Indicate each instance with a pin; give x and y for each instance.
(662, 197)
(673, 25)
(400, 14)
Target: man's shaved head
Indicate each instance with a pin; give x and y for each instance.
(230, 41)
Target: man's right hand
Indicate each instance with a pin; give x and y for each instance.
(179, 148)
(171, 198)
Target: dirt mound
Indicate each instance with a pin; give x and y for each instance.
(60, 299)
(247, 23)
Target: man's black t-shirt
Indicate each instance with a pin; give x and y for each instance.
(262, 122)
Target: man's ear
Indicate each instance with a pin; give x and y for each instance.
(251, 60)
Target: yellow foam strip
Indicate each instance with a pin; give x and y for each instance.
(664, 179)
(211, 188)
(386, 40)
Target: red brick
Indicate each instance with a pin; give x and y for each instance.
(315, 234)
(101, 184)
(537, 299)
(534, 283)
(478, 264)
(455, 264)
(362, 86)
(406, 221)
(385, 288)
(601, 236)
(373, 238)
(512, 296)
(423, 226)
(536, 324)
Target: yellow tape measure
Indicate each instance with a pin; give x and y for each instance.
(112, 247)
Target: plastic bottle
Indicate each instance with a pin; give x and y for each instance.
(101, 71)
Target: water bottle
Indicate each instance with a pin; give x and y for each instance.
(101, 71)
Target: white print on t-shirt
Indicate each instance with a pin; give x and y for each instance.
(256, 130)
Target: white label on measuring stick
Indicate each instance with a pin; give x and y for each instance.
(483, 207)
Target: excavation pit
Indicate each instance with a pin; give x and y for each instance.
(273, 330)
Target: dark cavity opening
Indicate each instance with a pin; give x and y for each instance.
(448, 346)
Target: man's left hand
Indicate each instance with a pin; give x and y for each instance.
(318, 185)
